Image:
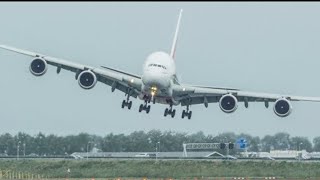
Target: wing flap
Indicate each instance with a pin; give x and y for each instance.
(122, 72)
(222, 88)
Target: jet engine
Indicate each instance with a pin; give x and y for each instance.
(87, 79)
(282, 107)
(228, 103)
(38, 67)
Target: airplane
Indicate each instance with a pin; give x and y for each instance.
(159, 84)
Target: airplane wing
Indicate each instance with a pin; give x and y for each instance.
(125, 82)
(189, 95)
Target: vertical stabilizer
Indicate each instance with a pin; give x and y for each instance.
(174, 44)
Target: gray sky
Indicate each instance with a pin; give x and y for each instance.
(264, 47)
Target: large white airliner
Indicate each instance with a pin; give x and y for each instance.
(159, 84)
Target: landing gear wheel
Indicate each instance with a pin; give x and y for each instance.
(166, 112)
(173, 113)
(183, 113)
(141, 107)
(189, 115)
(148, 109)
(129, 105)
(123, 104)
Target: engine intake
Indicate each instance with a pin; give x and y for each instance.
(87, 79)
(282, 107)
(228, 103)
(38, 67)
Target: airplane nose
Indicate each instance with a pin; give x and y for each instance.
(153, 79)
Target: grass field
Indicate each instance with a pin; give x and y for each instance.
(176, 169)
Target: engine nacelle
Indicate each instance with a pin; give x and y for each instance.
(282, 107)
(38, 67)
(228, 103)
(87, 79)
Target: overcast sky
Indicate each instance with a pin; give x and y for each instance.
(264, 47)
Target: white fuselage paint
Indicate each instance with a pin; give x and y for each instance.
(158, 72)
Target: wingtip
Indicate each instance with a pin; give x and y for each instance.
(2, 46)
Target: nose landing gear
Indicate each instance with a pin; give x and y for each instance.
(145, 107)
(170, 111)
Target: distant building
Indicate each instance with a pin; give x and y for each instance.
(95, 150)
(278, 154)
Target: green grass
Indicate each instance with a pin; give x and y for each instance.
(162, 168)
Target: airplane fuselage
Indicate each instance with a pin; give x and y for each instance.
(158, 77)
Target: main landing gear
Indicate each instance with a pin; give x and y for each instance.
(127, 102)
(145, 107)
(170, 111)
(186, 113)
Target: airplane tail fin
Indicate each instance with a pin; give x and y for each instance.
(174, 44)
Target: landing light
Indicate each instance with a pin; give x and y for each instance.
(153, 90)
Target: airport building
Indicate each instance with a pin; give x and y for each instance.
(203, 150)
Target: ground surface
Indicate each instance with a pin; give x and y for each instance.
(175, 169)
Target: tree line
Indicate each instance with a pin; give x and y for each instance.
(140, 141)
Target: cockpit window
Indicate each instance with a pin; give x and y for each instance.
(157, 65)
